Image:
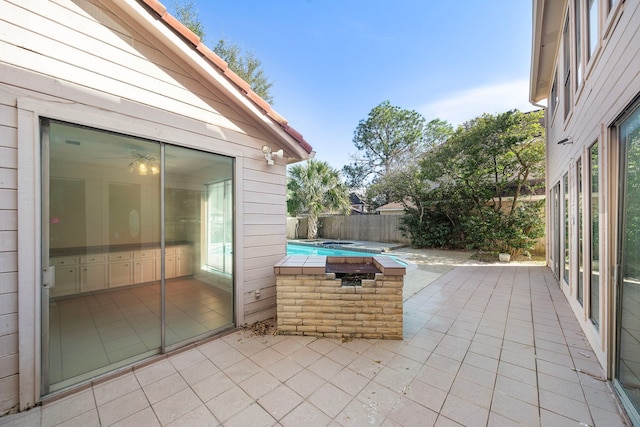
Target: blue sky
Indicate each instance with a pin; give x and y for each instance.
(332, 61)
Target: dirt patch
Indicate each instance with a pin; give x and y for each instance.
(261, 328)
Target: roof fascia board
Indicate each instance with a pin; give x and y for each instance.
(535, 49)
(192, 57)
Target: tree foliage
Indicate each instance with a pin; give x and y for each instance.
(244, 63)
(247, 66)
(316, 188)
(186, 12)
(475, 182)
(405, 184)
(385, 140)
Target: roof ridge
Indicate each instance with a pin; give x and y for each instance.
(189, 36)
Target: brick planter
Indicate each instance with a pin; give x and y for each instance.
(313, 301)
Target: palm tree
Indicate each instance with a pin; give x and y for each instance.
(317, 188)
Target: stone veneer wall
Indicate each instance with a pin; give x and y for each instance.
(313, 302)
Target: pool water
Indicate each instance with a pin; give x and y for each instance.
(314, 250)
(293, 249)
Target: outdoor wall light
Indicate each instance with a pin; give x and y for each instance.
(565, 141)
(269, 155)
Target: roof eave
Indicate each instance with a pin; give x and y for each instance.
(546, 29)
(153, 16)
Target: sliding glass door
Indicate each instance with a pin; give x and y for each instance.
(125, 244)
(199, 300)
(555, 230)
(628, 304)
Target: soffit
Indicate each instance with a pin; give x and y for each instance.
(547, 27)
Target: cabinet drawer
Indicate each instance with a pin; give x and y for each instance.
(64, 260)
(150, 253)
(119, 256)
(169, 250)
(90, 259)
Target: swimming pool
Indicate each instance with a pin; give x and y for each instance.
(293, 249)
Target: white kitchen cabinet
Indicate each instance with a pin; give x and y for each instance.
(169, 263)
(66, 276)
(120, 269)
(93, 272)
(144, 267)
(184, 261)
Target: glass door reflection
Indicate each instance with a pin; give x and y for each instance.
(101, 226)
(198, 223)
(628, 310)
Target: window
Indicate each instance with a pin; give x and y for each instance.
(593, 26)
(566, 47)
(553, 99)
(219, 226)
(580, 290)
(556, 236)
(613, 4)
(565, 208)
(594, 276)
(578, 45)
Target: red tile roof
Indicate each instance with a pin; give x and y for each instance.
(218, 62)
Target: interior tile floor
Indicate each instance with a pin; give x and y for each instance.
(483, 346)
(93, 333)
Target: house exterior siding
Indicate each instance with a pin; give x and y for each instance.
(91, 63)
(603, 84)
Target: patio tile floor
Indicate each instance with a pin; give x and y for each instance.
(483, 345)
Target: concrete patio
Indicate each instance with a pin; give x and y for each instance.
(484, 345)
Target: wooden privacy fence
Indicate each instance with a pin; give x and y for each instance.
(372, 228)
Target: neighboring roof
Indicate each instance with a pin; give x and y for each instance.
(192, 39)
(354, 199)
(547, 29)
(394, 206)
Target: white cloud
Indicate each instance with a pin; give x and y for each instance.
(465, 105)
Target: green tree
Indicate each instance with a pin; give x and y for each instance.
(436, 132)
(316, 188)
(244, 64)
(247, 66)
(389, 138)
(478, 178)
(405, 184)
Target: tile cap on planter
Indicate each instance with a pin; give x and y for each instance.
(316, 264)
(301, 264)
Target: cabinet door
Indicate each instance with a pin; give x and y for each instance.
(66, 275)
(184, 261)
(93, 276)
(143, 270)
(169, 265)
(120, 273)
(93, 272)
(66, 280)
